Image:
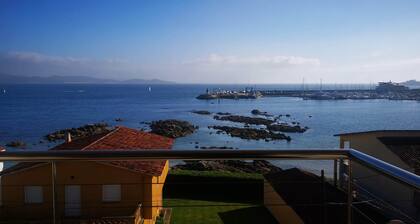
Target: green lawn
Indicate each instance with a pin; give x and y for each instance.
(215, 197)
(204, 212)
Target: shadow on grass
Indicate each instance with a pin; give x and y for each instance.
(206, 188)
(251, 215)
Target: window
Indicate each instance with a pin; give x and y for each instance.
(33, 194)
(111, 192)
(346, 144)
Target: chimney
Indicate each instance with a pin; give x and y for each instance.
(68, 137)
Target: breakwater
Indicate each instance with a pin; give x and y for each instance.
(413, 94)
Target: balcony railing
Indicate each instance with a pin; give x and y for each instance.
(342, 177)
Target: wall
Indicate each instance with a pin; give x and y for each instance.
(91, 176)
(153, 206)
(393, 192)
(283, 214)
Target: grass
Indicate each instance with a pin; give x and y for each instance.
(215, 197)
(205, 212)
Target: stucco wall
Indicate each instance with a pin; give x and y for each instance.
(135, 189)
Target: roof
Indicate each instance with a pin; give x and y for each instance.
(407, 148)
(121, 138)
(378, 131)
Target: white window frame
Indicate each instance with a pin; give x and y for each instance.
(111, 192)
(33, 194)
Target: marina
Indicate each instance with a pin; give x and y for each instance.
(384, 90)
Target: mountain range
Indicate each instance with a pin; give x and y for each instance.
(14, 79)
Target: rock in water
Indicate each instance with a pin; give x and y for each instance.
(80, 132)
(258, 112)
(286, 128)
(202, 112)
(251, 133)
(244, 119)
(16, 144)
(172, 128)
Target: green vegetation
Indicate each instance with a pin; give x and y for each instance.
(209, 212)
(217, 174)
(215, 197)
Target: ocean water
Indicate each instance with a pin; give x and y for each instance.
(28, 112)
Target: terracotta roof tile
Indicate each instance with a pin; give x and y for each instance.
(122, 138)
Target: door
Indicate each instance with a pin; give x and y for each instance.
(72, 202)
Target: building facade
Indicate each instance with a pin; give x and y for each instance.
(129, 191)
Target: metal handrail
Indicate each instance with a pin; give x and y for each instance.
(214, 154)
(380, 166)
(402, 176)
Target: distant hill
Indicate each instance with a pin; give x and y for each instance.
(411, 84)
(146, 81)
(14, 79)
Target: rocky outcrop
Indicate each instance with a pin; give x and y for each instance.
(84, 131)
(286, 128)
(216, 147)
(251, 133)
(258, 112)
(172, 128)
(201, 112)
(244, 119)
(223, 113)
(16, 144)
(256, 166)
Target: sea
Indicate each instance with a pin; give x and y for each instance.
(29, 112)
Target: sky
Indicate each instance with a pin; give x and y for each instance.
(213, 41)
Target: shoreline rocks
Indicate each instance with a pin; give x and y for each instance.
(83, 131)
(172, 128)
(201, 112)
(258, 112)
(216, 147)
(16, 144)
(256, 166)
(223, 113)
(251, 133)
(244, 119)
(286, 128)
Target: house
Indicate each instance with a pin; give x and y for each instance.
(90, 192)
(400, 148)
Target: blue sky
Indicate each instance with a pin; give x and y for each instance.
(213, 41)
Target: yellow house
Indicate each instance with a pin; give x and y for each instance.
(400, 148)
(89, 192)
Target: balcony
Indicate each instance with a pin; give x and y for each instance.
(203, 186)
